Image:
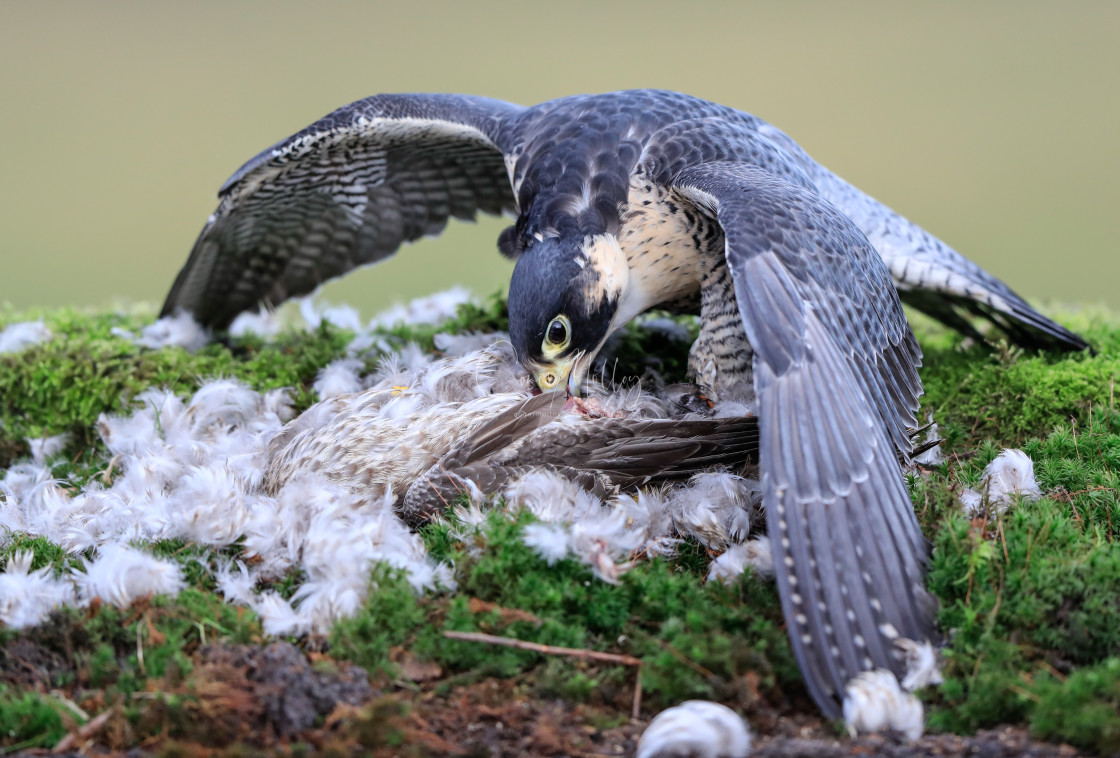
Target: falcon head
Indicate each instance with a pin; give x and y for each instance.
(563, 299)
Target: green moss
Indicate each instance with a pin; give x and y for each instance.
(706, 638)
(28, 720)
(695, 639)
(569, 680)
(1034, 591)
(121, 649)
(85, 370)
(1010, 395)
(487, 315)
(1050, 600)
(440, 539)
(65, 384)
(390, 616)
(44, 552)
(291, 581)
(509, 573)
(636, 352)
(1083, 708)
(194, 560)
(1030, 600)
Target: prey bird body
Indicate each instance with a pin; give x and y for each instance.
(633, 200)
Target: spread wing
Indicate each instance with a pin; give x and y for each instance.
(346, 191)
(930, 275)
(836, 376)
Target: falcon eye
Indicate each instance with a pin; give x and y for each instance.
(557, 332)
(558, 335)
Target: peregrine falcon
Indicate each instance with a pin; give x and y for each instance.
(640, 199)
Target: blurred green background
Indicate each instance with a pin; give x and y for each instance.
(992, 124)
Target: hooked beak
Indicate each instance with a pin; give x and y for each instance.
(553, 376)
(575, 378)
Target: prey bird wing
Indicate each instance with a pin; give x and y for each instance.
(835, 371)
(597, 454)
(501, 431)
(346, 191)
(628, 451)
(632, 452)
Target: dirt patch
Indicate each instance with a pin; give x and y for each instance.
(27, 664)
(496, 718)
(1001, 743)
(240, 698)
(291, 693)
(473, 725)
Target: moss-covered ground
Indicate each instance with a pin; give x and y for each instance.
(1030, 599)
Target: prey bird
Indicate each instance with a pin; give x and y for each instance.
(633, 200)
(599, 454)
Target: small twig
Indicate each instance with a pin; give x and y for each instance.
(423, 734)
(592, 655)
(28, 665)
(976, 668)
(70, 704)
(1076, 515)
(1032, 696)
(999, 601)
(636, 707)
(83, 732)
(478, 605)
(107, 474)
(1002, 538)
(1053, 671)
(574, 652)
(1065, 496)
(684, 659)
(140, 648)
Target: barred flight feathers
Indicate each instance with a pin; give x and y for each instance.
(345, 192)
(836, 375)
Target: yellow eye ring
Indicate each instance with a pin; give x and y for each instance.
(557, 336)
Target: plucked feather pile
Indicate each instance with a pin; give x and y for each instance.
(323, 492)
